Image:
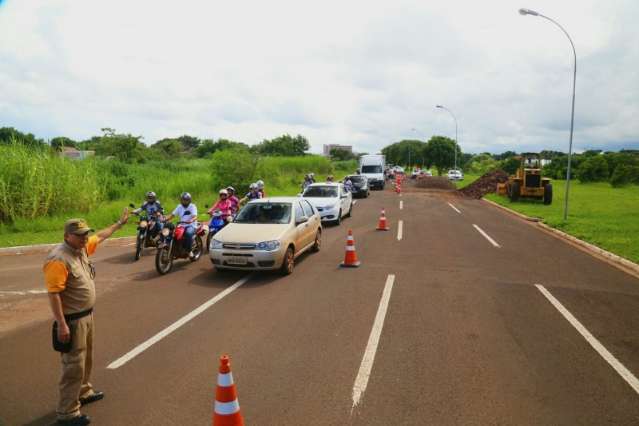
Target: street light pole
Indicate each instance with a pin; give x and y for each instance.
(572, 112)
(454, 118)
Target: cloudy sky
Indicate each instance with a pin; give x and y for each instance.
(362, 73)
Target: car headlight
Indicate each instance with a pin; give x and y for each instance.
(268, 245)
(216, 244)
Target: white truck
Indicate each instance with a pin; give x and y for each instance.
(372, 166)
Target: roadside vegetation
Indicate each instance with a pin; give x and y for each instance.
(604, 216)
(39, 189)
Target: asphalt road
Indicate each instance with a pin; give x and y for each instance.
(439, 327)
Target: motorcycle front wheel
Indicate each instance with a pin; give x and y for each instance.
(139, 245)
(164, 260)
(198, 249)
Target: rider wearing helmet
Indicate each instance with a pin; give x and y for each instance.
(348, 184)
(260, 188)
(186, 212)
(235, 202)
(224, 205)
(153, 210)
(253, 194)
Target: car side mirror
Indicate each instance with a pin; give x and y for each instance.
(301, 219)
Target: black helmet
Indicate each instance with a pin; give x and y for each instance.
(150, 196)
(185, 198)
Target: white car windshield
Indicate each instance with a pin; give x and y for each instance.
(371, 169)
(321, 191)
(265, 213)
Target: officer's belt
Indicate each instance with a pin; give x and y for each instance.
(78, 315)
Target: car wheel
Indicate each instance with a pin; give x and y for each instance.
(339, 218)
(288, 264)
(350, 210)
(318, 241)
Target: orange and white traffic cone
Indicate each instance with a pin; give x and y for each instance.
(350, 258)
(382, 225)
(226, 411)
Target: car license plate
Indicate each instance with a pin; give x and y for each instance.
(237, 260)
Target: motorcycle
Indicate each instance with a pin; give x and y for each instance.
(144, 238)
(170, 246)
(216, 223)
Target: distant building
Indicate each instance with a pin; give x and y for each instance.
(75, 154)
(327, 149)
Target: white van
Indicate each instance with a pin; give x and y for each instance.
(372, 166)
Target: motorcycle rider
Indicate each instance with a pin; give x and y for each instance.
(187, 220)
(154, 210)
(224, 205)
(253, 194)
(348, 184)
(260, 188)
(329, 178)
(307, 182)
(235, 202)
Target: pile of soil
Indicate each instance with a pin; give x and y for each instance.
(485, 184)
(436, 182)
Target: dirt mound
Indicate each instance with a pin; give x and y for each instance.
(436, 182)
(485, 184)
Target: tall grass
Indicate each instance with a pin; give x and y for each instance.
(39, 191)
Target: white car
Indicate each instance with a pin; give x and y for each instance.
(331, 200)
(455, 175)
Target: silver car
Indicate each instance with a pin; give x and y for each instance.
(267, 234)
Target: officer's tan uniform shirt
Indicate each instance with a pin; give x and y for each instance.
(67, 271)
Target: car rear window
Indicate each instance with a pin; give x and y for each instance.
(321, 191)
(371, 169)
(357, 179)
(265, 213)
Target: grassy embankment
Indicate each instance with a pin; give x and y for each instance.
(605, 216)
(39, 192)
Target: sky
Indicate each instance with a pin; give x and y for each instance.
(360, 73)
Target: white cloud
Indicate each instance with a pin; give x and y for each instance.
(358, 72)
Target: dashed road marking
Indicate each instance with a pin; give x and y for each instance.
(454, 208)
(485, 235)
(21, 293)
(177, 324)
(401, 205)
(592, 340)
(400, 230)
(373, 341)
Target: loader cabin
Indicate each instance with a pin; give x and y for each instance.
(527, 181)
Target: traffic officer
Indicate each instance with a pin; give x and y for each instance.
(69, 275)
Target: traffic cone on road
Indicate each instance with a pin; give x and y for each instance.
(382, 225)
(226, 411)
(350, 258)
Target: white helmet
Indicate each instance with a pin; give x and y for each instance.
(253, 186)
(224, 192)
(260, 184)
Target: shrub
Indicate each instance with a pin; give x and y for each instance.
(593, 169)
(624, 174)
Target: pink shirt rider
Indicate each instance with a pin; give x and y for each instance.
(224, 206)
(235, 202)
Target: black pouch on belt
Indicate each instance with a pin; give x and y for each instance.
(62, 346)
(59, 346)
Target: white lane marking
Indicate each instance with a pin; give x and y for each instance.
(400, 230)
(21, 293)
(481, 231)
(177, 324)
(373, 340)
(454, 208)
(592, 340)
(401, 204)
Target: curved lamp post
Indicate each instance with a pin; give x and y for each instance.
(572, 113)
(454, 118)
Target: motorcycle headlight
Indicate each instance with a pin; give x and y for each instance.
(216, 244)
(143, 224)
(165, 232)
(268, 245)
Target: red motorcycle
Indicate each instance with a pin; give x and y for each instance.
(171, 246)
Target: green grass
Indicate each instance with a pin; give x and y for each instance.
(605, 216)
(468, 179)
